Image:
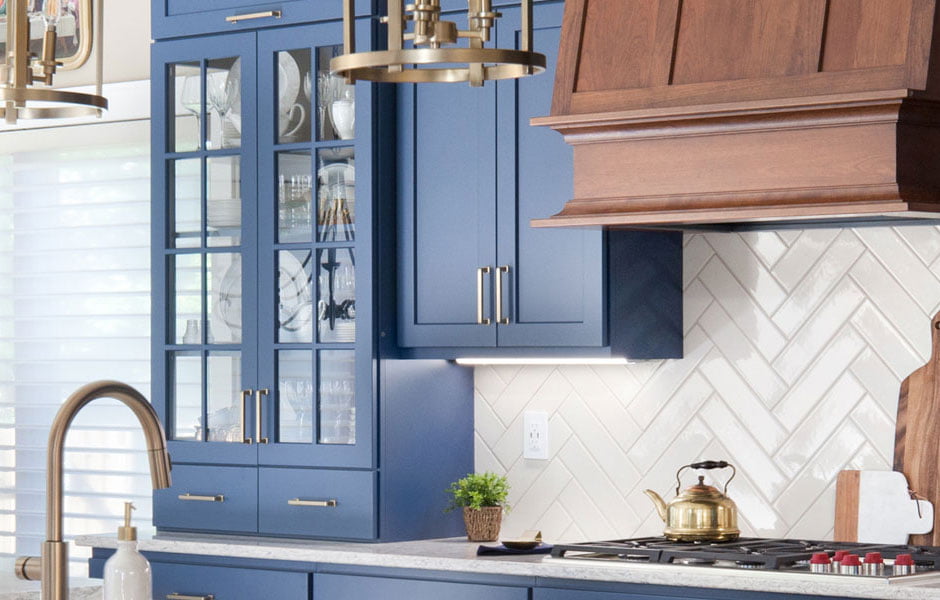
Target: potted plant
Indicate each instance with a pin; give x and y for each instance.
(483, 498)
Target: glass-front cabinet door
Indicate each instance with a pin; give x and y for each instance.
(316, 346)
(205, 334)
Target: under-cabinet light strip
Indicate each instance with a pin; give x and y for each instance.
(542, 361)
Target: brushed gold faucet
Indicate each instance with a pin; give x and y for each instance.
(52, 568)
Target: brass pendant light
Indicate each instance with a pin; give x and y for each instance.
(427, 60)
(20, 71)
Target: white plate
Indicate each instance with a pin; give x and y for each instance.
(295, 304)
(288, 81)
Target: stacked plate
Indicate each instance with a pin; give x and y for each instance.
(224, 213)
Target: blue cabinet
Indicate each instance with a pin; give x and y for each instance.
(172, 580)
(328, 586)
(267, 369)
(474, 277)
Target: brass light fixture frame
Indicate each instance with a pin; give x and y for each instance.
(20, 71)
(428, 36)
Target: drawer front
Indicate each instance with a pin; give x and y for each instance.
(317, 502)
(327, 586)
(223, 583)
(209, 499)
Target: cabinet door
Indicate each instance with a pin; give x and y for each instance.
(178, 18)
(446, 213)
(203, 240)
(226, 583)
(552, 279)
(327, 586)
(315, 252)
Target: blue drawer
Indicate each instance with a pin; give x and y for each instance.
(209, 498)
(317, 502)
(350, 587)
(224, 583)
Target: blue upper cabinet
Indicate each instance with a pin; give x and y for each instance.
(474, 277)
(183, 18)
(266, 364)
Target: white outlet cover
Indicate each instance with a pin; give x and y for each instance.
(535, 435)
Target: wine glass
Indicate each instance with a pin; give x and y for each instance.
(220, 94)
(190, 96)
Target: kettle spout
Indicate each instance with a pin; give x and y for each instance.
(659, 502)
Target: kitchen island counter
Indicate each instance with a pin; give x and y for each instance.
(458, 556)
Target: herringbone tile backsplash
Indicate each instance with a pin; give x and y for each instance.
(795, 346)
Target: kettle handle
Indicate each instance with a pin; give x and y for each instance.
(707, 464)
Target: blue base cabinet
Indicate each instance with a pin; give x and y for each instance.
(474, 277)
(328, 586)
(284, 415)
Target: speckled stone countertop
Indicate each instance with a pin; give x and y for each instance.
(12, 588)
(456, 554)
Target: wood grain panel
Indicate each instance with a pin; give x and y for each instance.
(847, 506)
(721, 40)
(917, 441)
(626, 44)
(866, 33)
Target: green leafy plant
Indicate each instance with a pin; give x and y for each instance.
(477, 490)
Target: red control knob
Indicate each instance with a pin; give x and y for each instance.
(904, 560)
(851, 560)
(840, 554)
(820, 558)
(873, 558)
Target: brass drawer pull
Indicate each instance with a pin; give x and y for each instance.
(188, 597)
(215, 498)
(298, 502)
(259, 395)
(276, 14)
(481, 320)
(245, 438)
(499, 295)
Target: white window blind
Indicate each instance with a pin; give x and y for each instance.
(74, 307)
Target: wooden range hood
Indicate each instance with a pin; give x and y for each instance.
(694, 112)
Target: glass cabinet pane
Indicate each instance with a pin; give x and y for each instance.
(224, 375)
(224, 297)
(186, 87)
(186, 178)
(187, 396)
(295, 396)
(336, 195)
(336, 304)
(223, 97)
(337, 397)
(294, 192)
(223, 201)
(293, 103)
(187, 298)
(295, 296)
(336, 99)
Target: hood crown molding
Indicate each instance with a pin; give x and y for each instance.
(693, 112)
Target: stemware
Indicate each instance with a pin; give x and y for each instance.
(221, 90)
(190, 96)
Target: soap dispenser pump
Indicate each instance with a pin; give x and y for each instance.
(127, 572)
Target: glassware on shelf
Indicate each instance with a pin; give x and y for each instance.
(337, 397)
(224, 96)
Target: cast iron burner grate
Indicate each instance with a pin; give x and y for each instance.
(753, 553)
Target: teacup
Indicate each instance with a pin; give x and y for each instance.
(290, 122)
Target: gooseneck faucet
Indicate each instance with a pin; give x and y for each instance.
(52, 568)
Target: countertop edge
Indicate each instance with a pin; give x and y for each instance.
(432, 555)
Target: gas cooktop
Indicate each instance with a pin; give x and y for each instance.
(744, 553)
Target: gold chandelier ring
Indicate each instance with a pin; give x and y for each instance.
(9, 94)
(497, 64)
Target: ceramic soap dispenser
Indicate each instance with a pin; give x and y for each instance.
(127, 572)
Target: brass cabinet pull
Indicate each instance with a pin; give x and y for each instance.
(481, 320)
(499, 295)
(276, 14)
(188, 597)
(245, 438)
(214, 498)
(298, 502)
(259, 394)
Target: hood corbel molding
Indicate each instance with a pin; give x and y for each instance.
(814, 110)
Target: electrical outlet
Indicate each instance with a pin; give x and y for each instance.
(535, 434)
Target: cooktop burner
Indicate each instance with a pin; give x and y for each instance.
(744, 553)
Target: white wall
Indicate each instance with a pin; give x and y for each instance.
(795, 346)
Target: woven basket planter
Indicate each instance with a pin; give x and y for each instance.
(483, 523)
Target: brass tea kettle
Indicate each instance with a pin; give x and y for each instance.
(701, 513)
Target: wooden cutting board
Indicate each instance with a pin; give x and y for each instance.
(917, 438)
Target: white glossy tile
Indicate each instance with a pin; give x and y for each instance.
(695, 299)
(695, 254)
(804, 250)
(748, 269)
(886, 341)
(742, 309)
(904, 265)
(597, 484)
(768, 246)
(524, 386)
(879, 427)
(875, 376)
(485, 422)
(924, 241)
